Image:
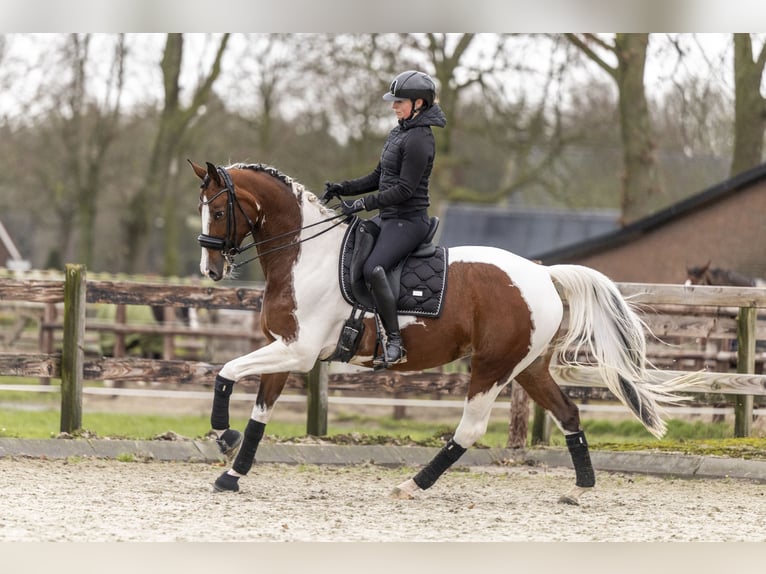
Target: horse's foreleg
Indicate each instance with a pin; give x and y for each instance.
(268, 392)
(542, 389)
(273, 358)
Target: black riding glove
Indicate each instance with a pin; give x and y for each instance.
(331, 191)
(351, 207)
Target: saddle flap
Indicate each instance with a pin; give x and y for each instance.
(418, 282)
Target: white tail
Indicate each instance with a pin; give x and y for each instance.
(603, 325)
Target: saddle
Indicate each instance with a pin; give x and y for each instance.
(418, 282)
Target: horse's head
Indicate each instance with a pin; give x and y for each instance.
(698, 275)
(225, 223)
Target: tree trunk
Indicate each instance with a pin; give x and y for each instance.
(749, 106)
(175, 122)
(640, 177)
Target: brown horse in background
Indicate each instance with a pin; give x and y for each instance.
(705, 275)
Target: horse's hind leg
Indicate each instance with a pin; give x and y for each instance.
(268, 392)
(540, 386)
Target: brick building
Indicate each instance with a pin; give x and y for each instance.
(725, 224)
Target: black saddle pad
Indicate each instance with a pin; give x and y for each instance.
(421, 281)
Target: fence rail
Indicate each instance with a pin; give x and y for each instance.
(713, 313)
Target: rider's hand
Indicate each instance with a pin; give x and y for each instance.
(331, 191)
(351, 207)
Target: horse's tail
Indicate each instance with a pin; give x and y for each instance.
(604, 327)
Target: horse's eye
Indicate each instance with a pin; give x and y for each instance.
(218, 215)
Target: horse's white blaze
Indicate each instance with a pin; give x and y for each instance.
(205, 231)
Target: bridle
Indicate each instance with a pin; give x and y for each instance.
(228, 245)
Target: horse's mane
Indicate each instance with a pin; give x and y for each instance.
(298, 188)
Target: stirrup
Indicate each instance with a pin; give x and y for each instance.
(383, 361)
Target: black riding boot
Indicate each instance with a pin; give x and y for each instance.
(393, 350)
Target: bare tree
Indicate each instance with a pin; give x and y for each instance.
(157, 193)
(88, 130)
(749, 104)
(76, 126)
(641, 181)
(446, 56)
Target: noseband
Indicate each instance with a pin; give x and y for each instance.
(228, 245)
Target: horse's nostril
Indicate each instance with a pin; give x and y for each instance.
(213, 275)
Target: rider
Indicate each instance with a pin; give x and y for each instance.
(401, 177)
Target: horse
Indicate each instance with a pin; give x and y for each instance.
(500, 309)
(705, 275)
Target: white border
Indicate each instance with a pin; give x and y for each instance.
(387, 15)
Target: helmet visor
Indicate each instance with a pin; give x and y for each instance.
(390, 96)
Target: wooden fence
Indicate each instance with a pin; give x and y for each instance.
(673, 311)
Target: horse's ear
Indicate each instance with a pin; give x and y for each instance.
(707, 265)
(213, 173)
(198, 169)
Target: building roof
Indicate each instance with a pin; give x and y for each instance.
(635, 230)
(524, 231)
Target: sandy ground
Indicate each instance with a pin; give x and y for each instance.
(109, 500)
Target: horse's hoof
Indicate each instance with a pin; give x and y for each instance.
(405, 491)
(229, 443)
(573, 496)
(399, 494)
(566, 499)
(226, 483)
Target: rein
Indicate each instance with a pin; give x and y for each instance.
(228, 245)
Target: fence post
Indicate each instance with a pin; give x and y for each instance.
(519, 424)
(73, 344)
(316, 421)
(743, 404)
(541, 428)
(47, 335)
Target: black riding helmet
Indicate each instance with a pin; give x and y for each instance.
(411, 85)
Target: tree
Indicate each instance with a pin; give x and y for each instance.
(157, 193)
(88, 128)
(640, 181)
(75, 128)
(749, 104)
(446, 55)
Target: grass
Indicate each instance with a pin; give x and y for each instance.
(684, 437)
(41, 421)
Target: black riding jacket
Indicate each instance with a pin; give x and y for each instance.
(404, 168)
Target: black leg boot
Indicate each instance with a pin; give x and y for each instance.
(393, 349)
(229, 440)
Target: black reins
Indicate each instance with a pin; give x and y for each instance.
(228, 245)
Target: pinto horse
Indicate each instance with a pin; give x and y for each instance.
(501, 309)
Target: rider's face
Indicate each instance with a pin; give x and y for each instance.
(402, 109)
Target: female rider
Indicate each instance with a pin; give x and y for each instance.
(401, 178)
